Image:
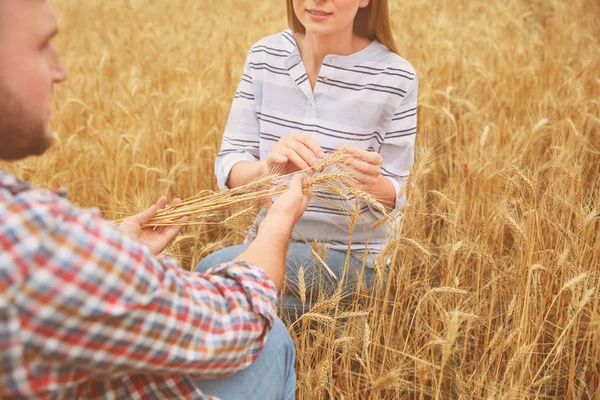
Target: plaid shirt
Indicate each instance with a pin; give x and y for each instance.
(86, 312)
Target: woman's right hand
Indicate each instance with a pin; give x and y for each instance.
(293, 153)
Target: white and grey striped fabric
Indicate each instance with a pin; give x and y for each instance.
(366, 100)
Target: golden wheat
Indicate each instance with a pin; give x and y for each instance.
(507, 165)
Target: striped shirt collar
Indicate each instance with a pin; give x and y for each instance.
(366, 54)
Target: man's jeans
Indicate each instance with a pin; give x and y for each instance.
(270, 377)
(317, 280)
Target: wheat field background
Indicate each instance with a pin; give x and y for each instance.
(495, 287)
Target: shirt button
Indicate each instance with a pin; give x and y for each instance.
(332, 60)
(325, 79)
(314, 108)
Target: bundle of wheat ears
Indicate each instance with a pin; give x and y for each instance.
(327, 180)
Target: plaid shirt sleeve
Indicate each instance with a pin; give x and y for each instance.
(94, 300)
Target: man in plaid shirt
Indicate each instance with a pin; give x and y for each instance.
(92, 310)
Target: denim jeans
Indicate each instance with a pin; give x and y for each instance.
(270, 377)
(317, 279)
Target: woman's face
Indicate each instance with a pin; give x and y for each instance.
(322, 17)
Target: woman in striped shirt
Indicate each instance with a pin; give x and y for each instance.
(333, 79)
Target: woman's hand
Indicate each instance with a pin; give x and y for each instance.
(157, 239)
(364, 167)
(293, 153)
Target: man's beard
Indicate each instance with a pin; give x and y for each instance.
(21, 134)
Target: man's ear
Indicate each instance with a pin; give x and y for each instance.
(364, 3)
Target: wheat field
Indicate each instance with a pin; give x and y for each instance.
(494, 290)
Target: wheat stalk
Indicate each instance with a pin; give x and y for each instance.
(325, 177)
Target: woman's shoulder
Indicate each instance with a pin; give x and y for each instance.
(278, 44)
(388, 60)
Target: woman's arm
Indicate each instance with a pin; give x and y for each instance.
(383, 174)
(238, 163)
(241, 138)
(384, 191)
(245, 172)
(398, 149)
(365, 168)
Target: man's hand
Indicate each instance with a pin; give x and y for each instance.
(287, 210)
(364, 167)
(293, 153)
(156, 238)
(269, 249)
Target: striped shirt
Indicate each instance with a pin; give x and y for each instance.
(86, 312)
(366, 100)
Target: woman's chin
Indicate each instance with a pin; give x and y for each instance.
(318, 29)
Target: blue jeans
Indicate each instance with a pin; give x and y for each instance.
(270, 377)
(317, 279)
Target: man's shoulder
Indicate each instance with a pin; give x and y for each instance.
(28, 216)
(38, 226)
(35, 207)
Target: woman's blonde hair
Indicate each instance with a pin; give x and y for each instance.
(371, 22)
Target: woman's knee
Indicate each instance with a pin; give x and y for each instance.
(316, 277)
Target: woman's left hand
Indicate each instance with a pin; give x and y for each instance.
(364, 167)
